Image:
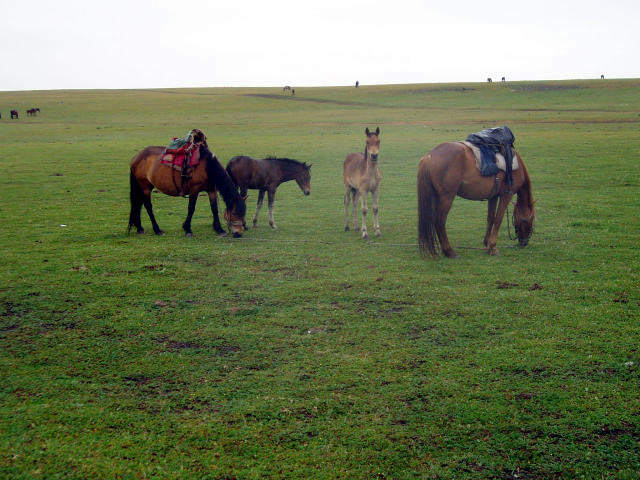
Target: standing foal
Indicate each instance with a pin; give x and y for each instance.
(362, 175)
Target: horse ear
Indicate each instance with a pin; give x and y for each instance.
(310, 165)
(378, 131)
(367, 131)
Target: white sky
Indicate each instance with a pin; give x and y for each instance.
(142, 44)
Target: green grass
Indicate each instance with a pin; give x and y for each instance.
(306, 352)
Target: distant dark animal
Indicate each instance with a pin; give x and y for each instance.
(32, 112)
(293, 92)
(450, 170)
(147, 173)
(601, 77)
(489, 80)
(361, 175)
(265, 176)
(0, 115)
(504, 79)
(14, 114)
(357, 84)
(287, 88)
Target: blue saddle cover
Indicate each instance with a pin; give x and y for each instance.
(491, 141)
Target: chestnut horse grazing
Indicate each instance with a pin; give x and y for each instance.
(147, 172)
(361, 175)
(450, 170)
(265, 175)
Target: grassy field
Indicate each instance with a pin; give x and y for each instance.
(307, 352)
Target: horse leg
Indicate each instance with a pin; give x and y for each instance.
(363, 203)
(258, 207)
(444, 205)
(147, 205)
(497, 221)
(186, 226)
(213, 201)
(272, 199)
(374, 201)
(491, 215)
(354, 203)
(347, 196)
(137, 199)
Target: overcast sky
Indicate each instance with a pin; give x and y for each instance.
(143, 44)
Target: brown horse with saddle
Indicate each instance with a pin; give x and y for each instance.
(452, 169)
(153, 168)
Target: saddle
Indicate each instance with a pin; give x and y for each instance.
(495, 148)
(183, 154)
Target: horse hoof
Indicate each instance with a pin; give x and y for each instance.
(346, 229)
(236, 235)
(273, 226)
(189, 234)
(365, 236)
(378, 234)
(140, 231)
(223, 234)
(159, 233)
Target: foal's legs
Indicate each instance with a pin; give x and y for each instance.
(186, 226)
(491, 215)
(444, 205)
(363, 202)
(347, 196)
(213, 201)
(354, 203)
(272, 199)
(493, 237)
(258, 207)
(374, 201)
(147, 205)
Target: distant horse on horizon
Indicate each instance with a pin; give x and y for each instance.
(450, 170)
(14, 114)
(265, 176)
(601, 77)
(287, 88)
(361, 175)
(32, 112)
(489, 80)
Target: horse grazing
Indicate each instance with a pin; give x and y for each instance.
(361, 175)
(32, 112)
(504, 79)
(14, 114)
(266, 175)
(450, 170)
(489, 80)
(147, 172)
(287, 88)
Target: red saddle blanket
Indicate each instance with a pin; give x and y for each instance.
(176, 157)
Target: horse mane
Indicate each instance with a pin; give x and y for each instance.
(526, 186)
(220, 179)
(286, 161)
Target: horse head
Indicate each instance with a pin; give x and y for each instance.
(373, 144)
(303, 178)
(235, 219)
(523, 221)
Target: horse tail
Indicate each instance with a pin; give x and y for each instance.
(427, 207)
(137, 199)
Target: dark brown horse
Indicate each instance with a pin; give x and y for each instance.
(14, 114)
(450, 170)
(265, 175)
(147, 172)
